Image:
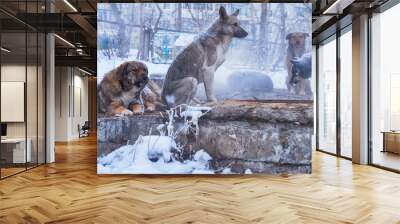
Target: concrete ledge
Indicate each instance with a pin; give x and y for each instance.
(266, 137)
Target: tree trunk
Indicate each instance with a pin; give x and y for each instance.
(141, 47)
(262, 39)
(281, 49)
(179, 17)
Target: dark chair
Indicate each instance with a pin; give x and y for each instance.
(84, 130)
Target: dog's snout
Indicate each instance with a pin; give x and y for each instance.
(241, 33)
(144, 79)
(245, 33)
(143, 73)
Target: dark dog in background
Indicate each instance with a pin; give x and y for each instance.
(197, 63)
(119, 93)
(296, 49)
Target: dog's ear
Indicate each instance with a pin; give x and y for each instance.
(288, 36)
(236, 13)
(222, 13)
(121, 70)
(306, 35)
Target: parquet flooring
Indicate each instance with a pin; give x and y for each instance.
(70, 191)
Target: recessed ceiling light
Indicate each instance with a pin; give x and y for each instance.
(70, 5)
(5, 50)
(337, 6)
(64, 40)
(84, 71)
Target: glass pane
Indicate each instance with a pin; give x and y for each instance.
(314, 84)
(346, 94)
(327, 97)
(13, 85)
(31, 98)
(41, 99)
(385, 89)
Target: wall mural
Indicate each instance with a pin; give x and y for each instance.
(204, 88)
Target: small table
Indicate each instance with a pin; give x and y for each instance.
(391, 141)
(17, 150)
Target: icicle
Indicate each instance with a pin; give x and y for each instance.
(160, 129)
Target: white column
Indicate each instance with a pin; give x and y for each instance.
(360, 90)
(50, 100)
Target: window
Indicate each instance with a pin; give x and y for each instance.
(327, 96)
(385, 89)
(346, 94)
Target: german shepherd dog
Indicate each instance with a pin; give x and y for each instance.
(296, 49)
(119, 93)
(197, 63)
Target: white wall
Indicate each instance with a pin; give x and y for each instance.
(16, 73)
(71, 102)
(33, 127)
(61, 103)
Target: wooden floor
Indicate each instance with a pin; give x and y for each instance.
(5, 172)
(386, 159)
(70, 191)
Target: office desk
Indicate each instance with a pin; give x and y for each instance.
(391, 141)
(13, 150)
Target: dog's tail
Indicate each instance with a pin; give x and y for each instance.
(159, 104)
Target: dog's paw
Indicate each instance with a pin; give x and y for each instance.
(151, 107)
(126, 112)
(137, 109)
(302, 93)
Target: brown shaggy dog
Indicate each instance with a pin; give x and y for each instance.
(119, 93)
(296, 49)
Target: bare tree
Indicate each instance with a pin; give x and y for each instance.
(148, 31)
(141, 50)
(155, 29)
(123, 37)
(280, 49)
(195, 19)
(178, 22)
(262, 37)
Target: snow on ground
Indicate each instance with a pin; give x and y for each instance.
(279, 79)
(134, 159)
(248, 171)
(154, 154)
